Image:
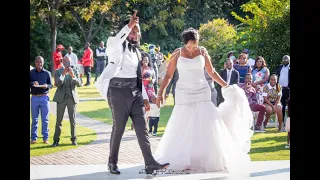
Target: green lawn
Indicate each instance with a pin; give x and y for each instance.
(84, 136)
(265, 146)
(269, 146)
(83, 92)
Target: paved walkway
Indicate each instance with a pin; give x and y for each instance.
(97, 151)
(260, 170)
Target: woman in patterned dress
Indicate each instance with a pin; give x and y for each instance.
(272, 93)
(260, 77)
(148, 77)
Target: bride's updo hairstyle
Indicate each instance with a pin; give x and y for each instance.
(189, 34)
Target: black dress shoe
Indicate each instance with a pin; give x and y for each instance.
(55, 143)
(113, 168)
(74, 143)
(156, 166)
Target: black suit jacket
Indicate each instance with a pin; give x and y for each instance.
(278, 73)
(234, 76)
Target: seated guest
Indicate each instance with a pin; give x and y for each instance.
(252, 98)
(272, 94)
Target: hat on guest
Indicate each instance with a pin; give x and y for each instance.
(246, 51)
(60, 46)
(151, 46)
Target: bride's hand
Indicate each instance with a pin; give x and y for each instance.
(159, 101)
(224, 87)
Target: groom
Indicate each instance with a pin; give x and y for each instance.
(121, 85)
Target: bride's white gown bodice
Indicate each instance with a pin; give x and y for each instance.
(192, 85)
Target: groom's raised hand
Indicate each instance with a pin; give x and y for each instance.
(133, 20)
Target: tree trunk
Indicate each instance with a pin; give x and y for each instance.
(53, 45)
(53, 26)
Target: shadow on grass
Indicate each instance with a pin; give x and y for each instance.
(80, 135)
(45, 146)
(268, 149)
(273, 138)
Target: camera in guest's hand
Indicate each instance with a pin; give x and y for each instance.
(67, 64)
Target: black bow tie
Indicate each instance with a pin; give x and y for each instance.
(132, 47)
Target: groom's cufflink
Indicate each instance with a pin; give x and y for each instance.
(111, 62)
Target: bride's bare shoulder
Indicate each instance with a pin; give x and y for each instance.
(176, 53)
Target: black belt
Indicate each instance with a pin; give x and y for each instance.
(123, 82)
(283, 88)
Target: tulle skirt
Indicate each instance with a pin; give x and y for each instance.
(202, 137)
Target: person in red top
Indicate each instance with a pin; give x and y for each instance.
(87, 61)
(57, 57)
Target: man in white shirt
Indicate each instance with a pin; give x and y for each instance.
(73, 57)
(121, 85)
(283, 73)
(101, 54)
(73, 60)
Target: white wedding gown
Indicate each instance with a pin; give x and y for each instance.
(200, 136)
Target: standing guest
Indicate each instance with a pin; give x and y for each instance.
(87, 61)
(251, 61)
(160, 57)
(154, 61)
(57, 57)
(243, 68)
(153, 118)
(101, 53)
(67, 79)
(40, 99)
(283, 73)
(230, 75)
(73, 57)
(260, 77)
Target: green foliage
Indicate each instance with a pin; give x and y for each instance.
(145, 47)
(40, 43)
(268, 30)
(218, 37)
(264, 27)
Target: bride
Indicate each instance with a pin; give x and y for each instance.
(200, 136)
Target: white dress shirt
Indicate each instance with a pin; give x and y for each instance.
(74, 59)
(129, 64)
(229, 73)
(122, 64)
(284, 79)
